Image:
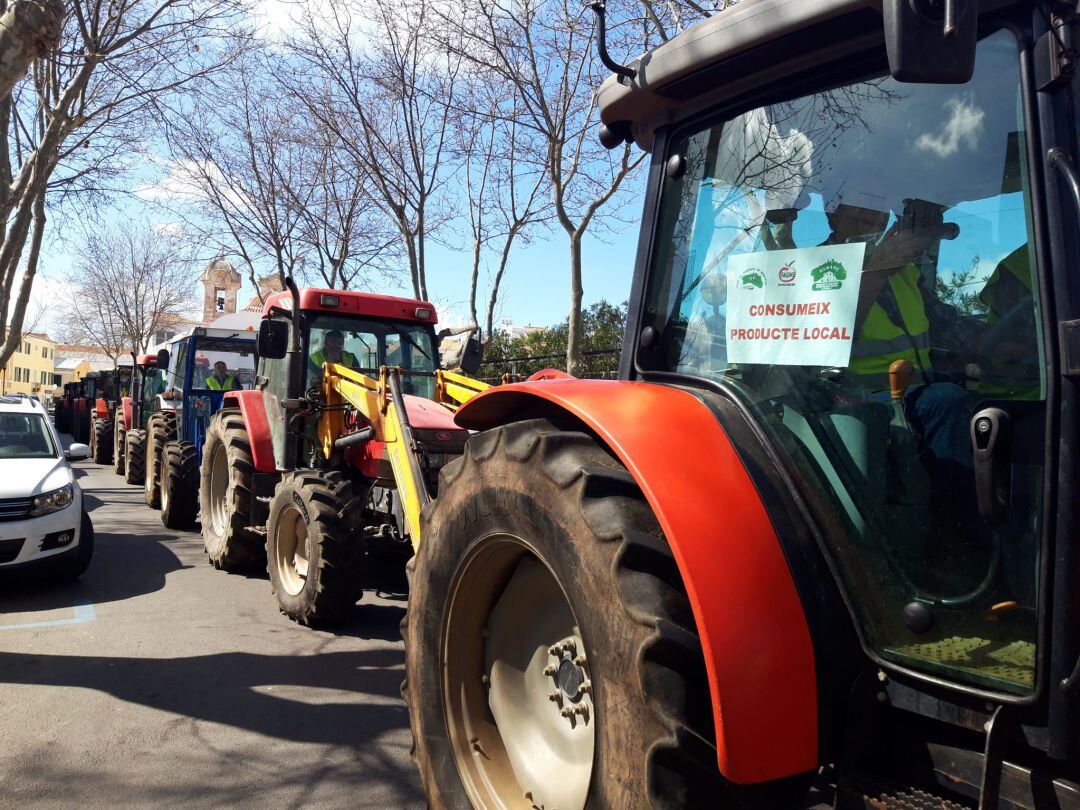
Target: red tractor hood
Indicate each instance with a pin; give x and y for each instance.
(427, 415)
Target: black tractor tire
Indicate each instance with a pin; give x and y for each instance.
(325, 505)
(135, 456)
(119, 454)
(579, 512)
(180, 485)
(226, 513)
(102, 441)
(160, 430)
(73, 565)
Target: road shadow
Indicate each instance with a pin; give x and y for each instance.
(123, 567)
(238, 689)
(370, 620)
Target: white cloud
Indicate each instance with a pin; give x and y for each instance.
(963, 128)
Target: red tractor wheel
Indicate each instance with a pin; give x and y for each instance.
(551, 652)
(225, 493)
(135, 456)
(119, 448)
(160, 430)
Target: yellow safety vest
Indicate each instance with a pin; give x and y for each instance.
(1009, 286)
(881, 342)
(347, 359)
(225, 385)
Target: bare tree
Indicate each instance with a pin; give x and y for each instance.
(127, 285)
(372, 78)
(545, 50)
(29, 29)
(76, 117)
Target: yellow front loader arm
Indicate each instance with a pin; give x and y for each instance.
(382, 405)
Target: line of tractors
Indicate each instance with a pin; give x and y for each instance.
(739, 576)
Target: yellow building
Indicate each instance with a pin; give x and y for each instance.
(30, 369)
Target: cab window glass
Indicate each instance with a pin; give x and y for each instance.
(856, 265)
(365, 345)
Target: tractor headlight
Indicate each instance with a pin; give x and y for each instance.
(52, 501)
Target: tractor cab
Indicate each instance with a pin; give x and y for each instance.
(202, 367)
(360, 331)
(860, 249)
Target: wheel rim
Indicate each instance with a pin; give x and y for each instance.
(514, 653)
(291, 545)
(219, 485)
(164, 493)
(151, 471)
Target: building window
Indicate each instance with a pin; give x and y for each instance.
(26, 347)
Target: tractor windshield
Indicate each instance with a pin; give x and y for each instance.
(366, 344)
(809, 246)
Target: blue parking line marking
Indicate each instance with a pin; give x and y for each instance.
(80, 614)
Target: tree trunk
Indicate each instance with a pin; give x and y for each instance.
(574, 333)
(28, 29)
(14, 332)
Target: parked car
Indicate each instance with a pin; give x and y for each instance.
(44, 526)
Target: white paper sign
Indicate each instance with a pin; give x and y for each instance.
(793, 307)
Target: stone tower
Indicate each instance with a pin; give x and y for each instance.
(221, 282)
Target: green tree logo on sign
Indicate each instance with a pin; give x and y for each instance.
(752, 279)
(828, 276)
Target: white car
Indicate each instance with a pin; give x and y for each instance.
(44, 526)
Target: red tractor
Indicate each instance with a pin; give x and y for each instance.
(817, 545)
(134, 425)
(112, 386)
(319, 473)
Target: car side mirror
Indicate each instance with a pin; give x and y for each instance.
(931, 41)
(77, 452)
(163, 358)
(273, 340)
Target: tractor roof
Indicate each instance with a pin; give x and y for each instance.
(355, 303)
(146, 360)
(732, 52)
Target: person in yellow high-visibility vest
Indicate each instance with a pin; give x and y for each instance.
(221, 379)
(893, 322)
(332, 351)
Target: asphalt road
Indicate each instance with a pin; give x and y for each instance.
(156, 680)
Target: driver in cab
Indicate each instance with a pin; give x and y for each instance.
(332, 351)
(221, 379)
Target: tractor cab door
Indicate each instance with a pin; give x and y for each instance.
(273, 381)
(857, 266)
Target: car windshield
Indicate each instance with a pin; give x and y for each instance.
(25, 435)
(855, 267)
(366, 344)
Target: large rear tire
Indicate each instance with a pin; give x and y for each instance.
(180, 485)
(160, 430)
(314, 551)
(551, 650)
(102, 441)
(135, 456)
(225, 494)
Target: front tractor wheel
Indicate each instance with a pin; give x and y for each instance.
(225, 495)
(314, 549)
(160, 430)
(135, 456)
(180, 485)
(551, 652)
(102, 441)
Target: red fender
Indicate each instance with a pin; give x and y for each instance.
(253, 409)
(753, 630)
(126, 408)
(101, 408)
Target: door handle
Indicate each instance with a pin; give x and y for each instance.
(990, 440)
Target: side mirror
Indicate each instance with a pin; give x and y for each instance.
(931, 41)
(460, 353)
(472, 356)
(163, 358)
(273, 340)
(77, 452)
